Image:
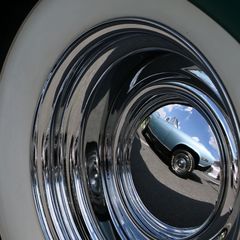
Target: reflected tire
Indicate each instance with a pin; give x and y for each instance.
(182, 163)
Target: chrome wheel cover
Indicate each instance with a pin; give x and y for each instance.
(98, 93)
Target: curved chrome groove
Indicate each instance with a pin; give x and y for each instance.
(105, 84)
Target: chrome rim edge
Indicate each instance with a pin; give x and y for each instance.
(96, 96)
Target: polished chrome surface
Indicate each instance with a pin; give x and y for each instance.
(175, 190)
(91, 107)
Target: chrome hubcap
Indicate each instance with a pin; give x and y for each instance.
(181, 162)
(100, 91)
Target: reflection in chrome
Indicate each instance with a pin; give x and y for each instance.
(179, 138)
(101, 90)
(194, 135)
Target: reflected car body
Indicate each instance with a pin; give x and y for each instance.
(168, 134)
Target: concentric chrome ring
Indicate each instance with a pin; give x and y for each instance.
(99, 92)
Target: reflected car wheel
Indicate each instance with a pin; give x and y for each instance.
(182, 163)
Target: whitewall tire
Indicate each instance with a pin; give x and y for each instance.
(48, 30)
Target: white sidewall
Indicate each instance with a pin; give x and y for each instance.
(49, 29)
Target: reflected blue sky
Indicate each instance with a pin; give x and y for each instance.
(192, 123)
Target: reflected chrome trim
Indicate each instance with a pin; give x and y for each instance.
(103, 86)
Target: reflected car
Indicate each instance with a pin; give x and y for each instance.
(186, 153)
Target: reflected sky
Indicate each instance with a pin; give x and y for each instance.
(193, 124)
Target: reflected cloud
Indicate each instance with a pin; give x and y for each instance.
(172, 107)
(162, 112)
(196, 139)
(188, 109)
(212, 140)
